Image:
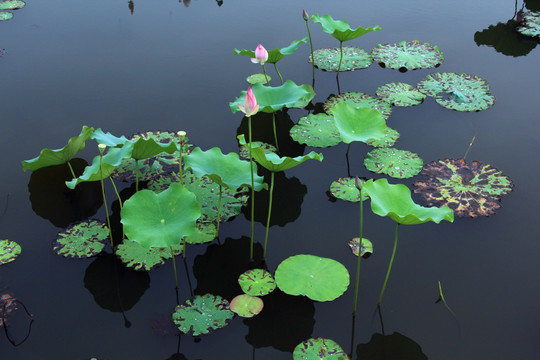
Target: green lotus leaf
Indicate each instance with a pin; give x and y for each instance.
(367, 247)
(408, 55)
(257, 282)
(48, 157)
(12, 4)
(394, 201)
(400, 94)
(82, 240)
(470, 189)
(138, 257)
(9, 250)
(246, 305)
(258, 79)
(345, 189)
(353, 58)
(396, 163)
(530, 25)
(271, 99)
(4, 15)
(320, 279)
(340, 29)
(358, 100)
(316, 131)
(202, 315)
(362, 124)
(276, 54)
(147, 169)
(244, 151)
(460, 92)
(274, 162)
(319, 348)
(388, 140)
(107, 138)
(160, 220)
(205, 232)
(146, 148)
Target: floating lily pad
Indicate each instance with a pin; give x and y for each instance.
(9, 250)
(353, 58)
(204, 232)
(358, 100)
(12, 4)
(4, 15)
(246, 305)
(396, 163)
(202, 315)
(530, 26)
(367, 247)
(462, 92)
(470, 189)
(362, 124)
(82, 240)
(319, 348)
(316, 131)
(345, 189)
(138, 257)
(408, 55)
(318, 278)
(388, 140)
(400, 94)
(258, 79)
(257, 282)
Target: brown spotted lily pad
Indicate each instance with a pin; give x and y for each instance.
(358, 100)
(470, 189)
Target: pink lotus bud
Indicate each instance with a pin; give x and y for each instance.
(261, 55)
(305, 15)
(250, 103)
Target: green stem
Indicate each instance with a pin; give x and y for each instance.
(119, 200)
(311, 45)
(184, 248)
(71, 169)
(180, 162)
(389, 266)
(275, 132)
(218, 209)
(105, 200)
(340, 58)
(359, 254)
(174, 268)
(441, 296)
(269, 213)
(137, 175)
(252, 193)
(265, 75)
(280, 77)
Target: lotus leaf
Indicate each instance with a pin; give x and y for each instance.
(244, 151)
(138, 257)
(394, 201)
(345, 189)
(82, 240)
(353, 58)
(4, 15)
(408, 55)
(258, 79)
(148, 169)
(108, 139)
(271, 99)
(276, 54)
(358, 100)
(530, 26)
(275, 163)
(463, 92)
(160, 220)
(9, 250)
(400, 94)
(202, 315)
(257, 282)
(246, 305)
(340, 29)
(320, 279)
(205, 232)
(470, 189)
(396, 163)
(12, 4)
(319, 348)
(367, 247)
(48, 157)
(362, 124)
(316, 131)
(388, 140)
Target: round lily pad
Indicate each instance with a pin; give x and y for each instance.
(318, 278)
(4, 15)
(388, 140)
(316, 131)
(246, 305)
(9, 250)
(258, 79)
(470, 189)
(358, 100)
(353, 58)
(82, 240)
(400, 94)
(400, 164)
(138, 257)
(204, 232)
(408, 55)
(462, 92)
(12, 4)
(202, 315)
(257, 282)
(319, 348)
(530, 25)
(345, 189)
(367, 247)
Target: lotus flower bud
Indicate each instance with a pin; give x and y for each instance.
(358, 183)
(250, 106)
(261, 55)
(102, 148)
(305, 15)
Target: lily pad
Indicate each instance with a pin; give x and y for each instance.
(12, 4)
(400, 94)
(530, 25)
(462, 92)
(82, 240)
(204, 232)
(246, 305)
(340, 29)
(388, 140)
(316, 131)
(470, 189)
(367, 247)
(345, 189)
(257, 282)
(138, 257)
(319, 348)
(353, 58)
(359, 100)
(275, 55)
(396, 163)
(362, 124)
(318, 278)
(4, 15)
(408, 55)
(9, 250)
(258, 79)
(202, 315)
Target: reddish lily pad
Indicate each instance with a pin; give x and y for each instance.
(319, 348)
(246, 305)
(358, 100)
(257, 282)
(400, 164)
(408, 55)
(353, 58)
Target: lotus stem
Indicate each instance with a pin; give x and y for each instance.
(275, 132)
(252, 193)
(137, 175)
(389, 266)
(185, 248)
(174, 267)
(105, 199)
(359, 253)
(182, 134)
(116, 192)
(340, 58)
(280, 77)
(311, 45)
(269, 213)
(71, 169)
(265, 75)
(218, 209)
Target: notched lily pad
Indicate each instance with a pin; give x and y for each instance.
(358, 100)
(246, 305)
(400, 94)
(202, 315)
(316, 131)
(530, 25)
(257, 282)
(367, 247)
(319, 348)
(400, 164)
(353, 58)
(138, 257)
(345, 189)
(82, 240)
(205, 232)
(408, 55)
(9, 250)
(12, 4)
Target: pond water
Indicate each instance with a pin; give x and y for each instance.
(168, 66)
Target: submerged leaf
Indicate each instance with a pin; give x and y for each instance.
(353, 58)
(319, 348)
(397, 163)
(246, 305)
(316, 131)
(408, 55)
(202, 315)
(359, 100)
(400, 94)
(82, 240)
(257, 282)
(9, 250)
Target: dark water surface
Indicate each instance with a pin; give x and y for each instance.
(171, 67)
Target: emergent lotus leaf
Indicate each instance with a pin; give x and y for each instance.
(396, 163)
(246, 305)
(257, 282)
(138, 257)
(530, 26)
(388, 140)
(202, 314)
(367, 247)
(353, 58)
(9, 250)
(362, 124)
(4, 15)
(408, 55)
(12, 4)
(345, 189)
(400, 94)
(274, 162)
(319, 348)
(107, 138)
(358, 100)
(82, 240)
(316, 131)
(275, 55)
(340, 29)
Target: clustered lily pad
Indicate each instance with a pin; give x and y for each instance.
(82, 240)
(530, 25)
(358, 100)
(353, 58)
(408, 55)
(396, 163)
(400, 94)
(9, 250)
(345, 189)
(317, 130)
(319, 348)
(470, 189)
(257, 282)
(202, 315)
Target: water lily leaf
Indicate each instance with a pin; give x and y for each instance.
(319, 348)
(82, 240)
(246, 305)
(135, 256)
(275, 163)
(48, 157)
(4, 15)
(9, 250)
(353, 58)
(367, 247)
(340, 29)
(400, 94)
(470, 189)
(204, 232)
(396, 163)
(408, 55)
(462, 92)
(275, 55)
(318, 278)
(358, 100)
(258, 79)
(362, 124)
(257, 282)
(271, 99)
(202, 315)
(345, 189)
(12, 4)
(394, 201)
(530, 25)
(160, 220)
(388, 140)
(316, 131)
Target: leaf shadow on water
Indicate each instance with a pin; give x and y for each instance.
(390, 347)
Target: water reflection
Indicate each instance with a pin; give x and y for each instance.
(390, 347)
